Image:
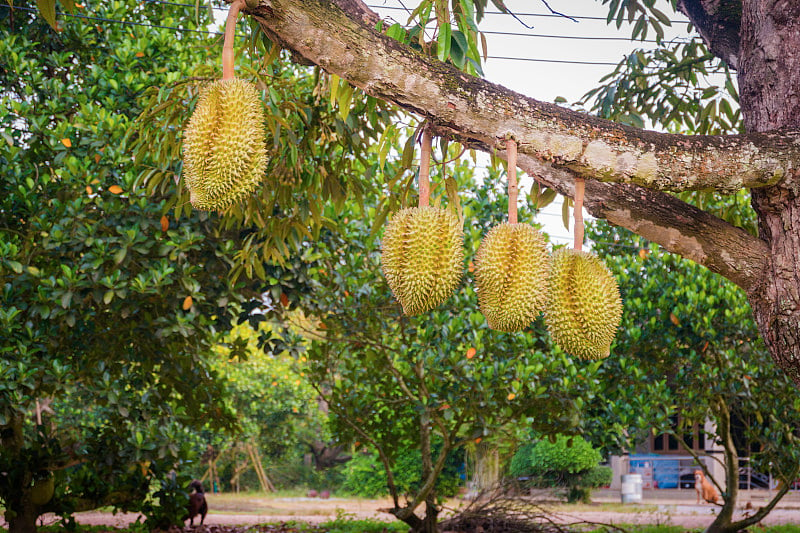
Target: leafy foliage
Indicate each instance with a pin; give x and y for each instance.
(689, 347)
(108, 304)
(316, 145)
(365, 476)
(569, 462)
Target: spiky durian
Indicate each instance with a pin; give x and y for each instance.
(511, 268)
(224, 155)
(422, 257)
(42, 490)
(584, 307)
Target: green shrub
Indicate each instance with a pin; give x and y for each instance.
(365, 476)
(569, 462)
(166, 507)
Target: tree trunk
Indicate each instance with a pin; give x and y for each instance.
(24, 520)
(770, 97)
(722, 523)
(431, 516)
(21, 513)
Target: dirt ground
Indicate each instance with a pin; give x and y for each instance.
(677, 509)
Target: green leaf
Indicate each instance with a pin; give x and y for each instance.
(108, 296)
(334, 81)
(345, 97)
(664, 19)
(452, 195)
(458, 51)
(444, 41)
(565, 212)
(47, 8)
(15, 266)
(397, 32)
(379, 220)
(408, 152)
(541, 196)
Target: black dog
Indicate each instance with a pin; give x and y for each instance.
(197, 503)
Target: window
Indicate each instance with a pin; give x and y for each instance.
(693, 436)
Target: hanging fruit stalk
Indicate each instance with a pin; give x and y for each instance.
(425, 168)
(422, 252)
(580, 186)
(227, 43)
(225, 156)
(511, 265)
(513, 189)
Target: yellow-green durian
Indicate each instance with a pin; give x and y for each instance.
(511, 268)
(422, 256)
(224, 155)
(584, 307)
(42, 490)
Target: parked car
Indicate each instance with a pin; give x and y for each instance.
(757, 480)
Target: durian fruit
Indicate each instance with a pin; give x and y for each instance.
(224, 156)
(42, 490)
(584, 306)
(511, 268)
(422, 257)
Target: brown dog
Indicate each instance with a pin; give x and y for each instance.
(197, 503)
(704, 488)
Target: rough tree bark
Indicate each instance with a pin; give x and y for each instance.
(770, 95)
(20, 513)
(759, 37)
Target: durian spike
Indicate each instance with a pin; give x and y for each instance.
(425, 168)
(579, 189)
(227, 44)
(511, 150)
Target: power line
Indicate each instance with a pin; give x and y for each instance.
(543, 15)
(206, 32)
(567, 61)
(193, 6)
(508, 33)
(577, 37)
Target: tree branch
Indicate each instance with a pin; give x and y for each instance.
(477, 110)
(668, 221)
(718, 23)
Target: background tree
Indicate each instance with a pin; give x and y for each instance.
(277, 410)
(689, 351)
(108, 306)
(561, 461)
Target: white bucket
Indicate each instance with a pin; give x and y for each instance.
(631, 488)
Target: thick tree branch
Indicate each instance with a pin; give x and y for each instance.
(666, 220)
(481, 111)
(718, 23)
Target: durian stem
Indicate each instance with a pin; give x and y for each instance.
(579, 188)
(227, 44)
(513, 189)
(425, 168)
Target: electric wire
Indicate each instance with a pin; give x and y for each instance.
(498, 58)
(542, 15)
(215, 33)
(487, 32)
